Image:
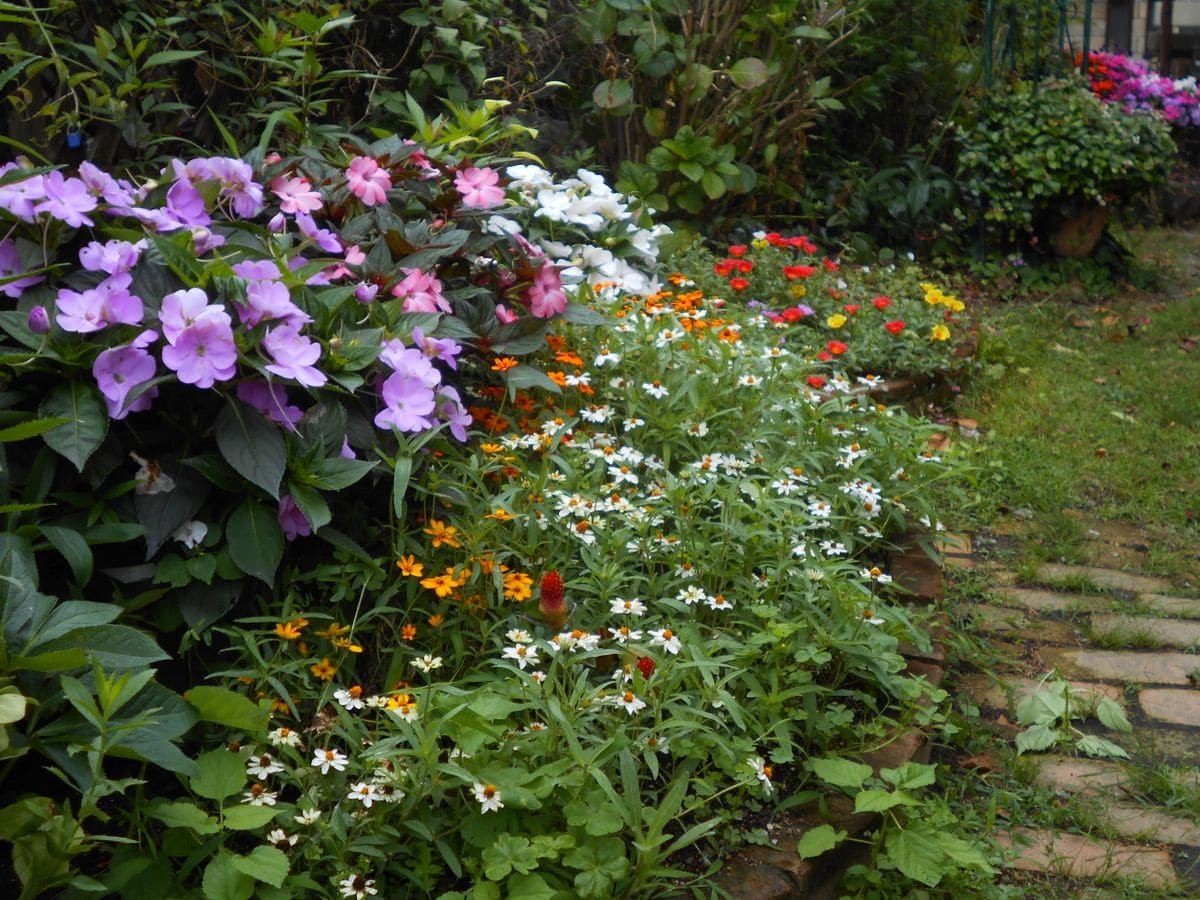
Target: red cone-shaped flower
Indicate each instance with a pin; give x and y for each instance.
(553, 605)
(646, 666)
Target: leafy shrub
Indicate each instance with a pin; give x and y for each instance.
(1041, 151)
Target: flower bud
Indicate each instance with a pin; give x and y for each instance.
(553, 605)
(646, 666)
(39, 321)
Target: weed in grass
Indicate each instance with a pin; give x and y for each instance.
(1120, 637)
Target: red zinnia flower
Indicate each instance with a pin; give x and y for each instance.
(794, 272)
(837, 348)
(851, 308)
(895, 326)
(738, 250)
(742, 265)
(824, 356)
(881, 302)
(739, 284)
(724, 267)
(793, 315)
(815, 381)
(829, 265)
(552, 604)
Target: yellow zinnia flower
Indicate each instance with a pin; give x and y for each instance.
(837, 320)
(939, 333)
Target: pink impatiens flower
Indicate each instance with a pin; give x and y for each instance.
(106, 304)
(480, 188)
(546, 297)
(295, 195)
(119, 370)
(67, 199)
(408, 404)
(367, 181)
(293, 355)
(421, 292)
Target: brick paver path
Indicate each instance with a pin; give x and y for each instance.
(1131, 637)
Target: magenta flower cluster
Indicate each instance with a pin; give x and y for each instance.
(252, 334)
(1129, 82)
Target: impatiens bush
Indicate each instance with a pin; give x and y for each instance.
(877, 321)
(1033, 156)
(485, 575)
(1129, 82)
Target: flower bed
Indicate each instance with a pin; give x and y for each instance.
(536, 594)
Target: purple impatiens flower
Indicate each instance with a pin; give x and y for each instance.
(292, 520)
(408, 402)
(271, 400)
(293, 355)
(111, 257)
(38, 321)
(10, 265)
(120, 369)
(108, 303)
(202, 351)
(67, 199)
(442, 349)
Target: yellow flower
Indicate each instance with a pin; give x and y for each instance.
(436, 620)
(518, 586)
(408, 565)
(797, 290)
(933, 295)
(500, 515)
(288, 631)
(334, 630)
(954, 303)
(836, 321)
(939, 333)
(344, 644)
(490, 448)
(504, 363)
(442, 534)
(324, 670)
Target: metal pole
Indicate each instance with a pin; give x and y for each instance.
(989, 38)
(1087, 34)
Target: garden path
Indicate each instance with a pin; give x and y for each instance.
(1114, 633)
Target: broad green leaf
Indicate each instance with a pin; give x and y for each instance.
(530, 887)
(510, 853)
(523, 376)
(1110, 713)
(223, 706)
(87, 421)
(1037, 737)
(223, 881)
(245, 817)
(843, 773)
(255, 540)
(602, 862)
(915, 851)
(182, 814)
(336, 473)
(12, 705)
(72, 614)
(252, 445)
(909, 776)
(878, 800)
(612, 93)
(811, 31)
(595, 815)
(748, 73)
(73, 548)
(310, 502)
(714, 185)
(263, 863)
(578, 314)
(818, 840)
(220, 774)
(1092, 745)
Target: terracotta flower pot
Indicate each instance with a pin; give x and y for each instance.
(1078, 233)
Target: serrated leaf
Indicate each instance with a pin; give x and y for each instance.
(222, 880)
(878, 800)
(245, 817)
(819, 840)
(220, 774)
(182, 814)
(1092, 745)
(1110, 713)
(32, 428)
(843, 773)
(263, 863)
(1037, 737)
(915, 851)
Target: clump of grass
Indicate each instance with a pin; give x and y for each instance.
(1123, 638)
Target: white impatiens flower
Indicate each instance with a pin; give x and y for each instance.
(666, 639)
(523, 654)
(329, 759)
(190, 534)
(519, 636)
(621, 607)
(488, 796)
(427, 663)
(358, 887)
(630, 702)
(538, 676)
(365, 793)
(261, 767)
